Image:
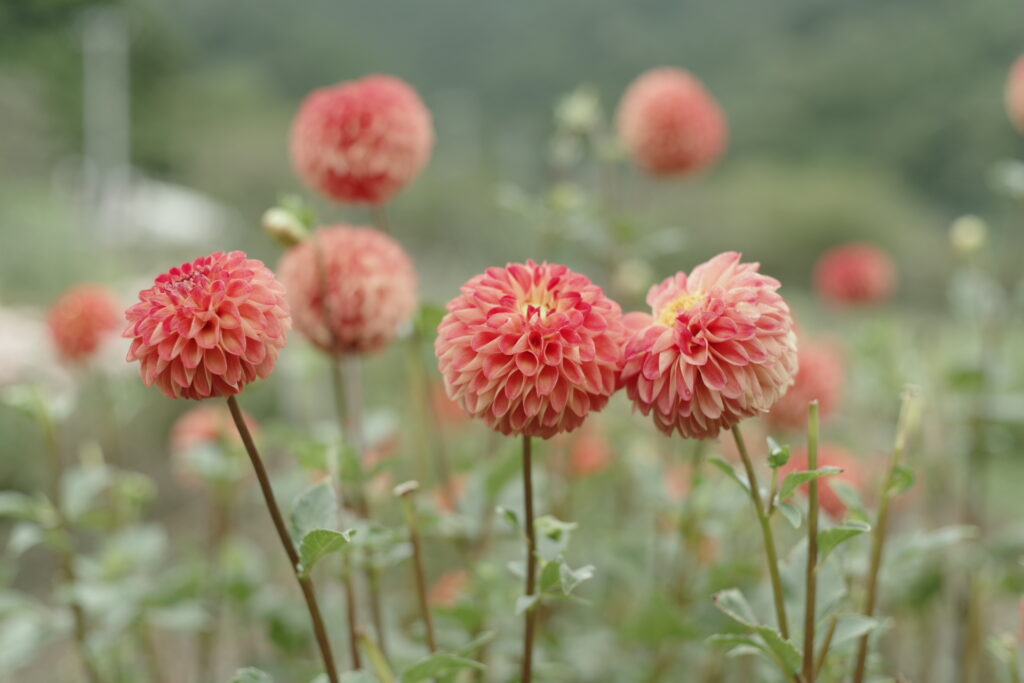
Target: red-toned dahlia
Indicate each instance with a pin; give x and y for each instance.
(1015, 94)
(830, 455)
(821, 377)
(530, 348)
(81, 319)
(209, 327)
(719, 346)
(669, 124)
(362, 141)
(370, 283)
(855, 275)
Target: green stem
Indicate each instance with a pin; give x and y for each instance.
(766, 533)
(825, 645)
(810, 603)
(289, 547)
(411, 520)
(880, 529)
(530, 616)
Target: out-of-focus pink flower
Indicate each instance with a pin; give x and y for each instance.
(209, 327)
(821, 377)
(855, 275)
(530, 348)
(830, 455)
(207, 424)
(370, 283)
(362, 141)
(678, 481)
(718, 347)
(81, 319)
(447, 411)
(447, 496)
(669, 124)
(589, 453)
(449, 588)
(1015, 94)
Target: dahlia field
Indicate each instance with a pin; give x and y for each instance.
(320, 451)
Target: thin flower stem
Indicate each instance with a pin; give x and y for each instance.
(531, 562)
(880, 529)
(350, 611)
(377, 659)
(405, 491)
(220, 513)
(825, 645)
(66, 553)
(289, 548)
(810, 602)
(766, 532)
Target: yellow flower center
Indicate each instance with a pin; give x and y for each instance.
(683, 302)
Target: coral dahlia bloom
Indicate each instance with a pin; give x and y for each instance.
(449, 588)
(530, 348)
(207, 425)
(362, 141)
(370, 282)
(855, 275)
(820, 377)
(81, 319)
(830, 455)
(209, 327)
(1015, 94)
(669, 124)
(718, 347)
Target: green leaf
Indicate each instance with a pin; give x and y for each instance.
(524, 603)
(828, 539)
(732, 603)
(850, 497)
(728, 469)
(902, 479)
(736, 640)
(251, 675)
(550, 577)
(318, 544)
(23, 536)
(794, 479)
(794, 514)
(510, 516)
(437, 665)
(82, 486)
(777, 455)
(316, 508)
(19, 505)
(472, 646)
(852, 626)
(570, 578)
(552, 536)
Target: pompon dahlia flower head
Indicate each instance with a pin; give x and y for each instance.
(533, 348)
(207, 328)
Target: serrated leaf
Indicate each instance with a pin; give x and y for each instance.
(318, 544)
(902, 479)
(315, 508)
(251, 675)
(852, 626)
(794, 479)
(828, 539)
(525, 603)
(794, 514)
(729, 470)
(437, 665)
(777, 455)
(735, 606)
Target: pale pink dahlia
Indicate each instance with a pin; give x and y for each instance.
(362, 141)
(1015, 94)
(669, 124)
(718, 347)
(370, 287)
(855, 275)
(81, 319)
(530, 348)
(209, 327)
(820, 378)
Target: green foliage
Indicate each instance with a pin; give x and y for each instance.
(767, 640)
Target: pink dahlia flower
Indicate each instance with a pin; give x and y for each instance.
(855, 275)
(207, 425)
(718, 347)
(81, 319)
(209, 327)
(821, 377)
(530, 348)
(830, 456)
(1015, 94)
(362, 141)
(370, 282)
(590, 453)
(669, 124)
(449, 588)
